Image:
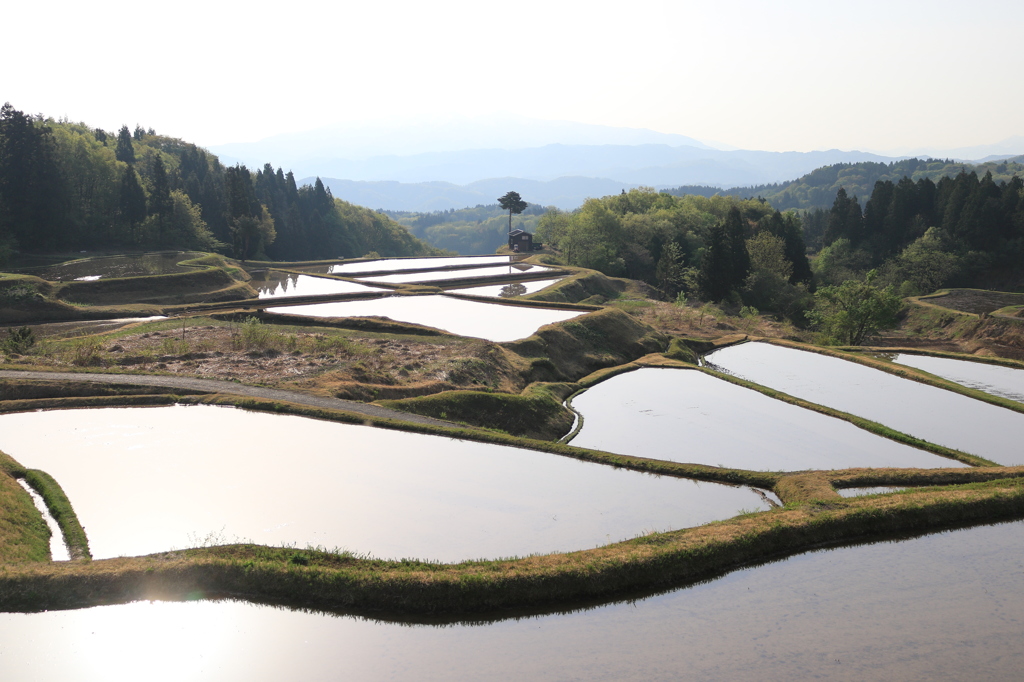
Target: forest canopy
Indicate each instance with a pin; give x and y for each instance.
(65, 186)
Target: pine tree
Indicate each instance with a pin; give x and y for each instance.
(124, 151)
(132, 201)
(160, 197)
(513, 203)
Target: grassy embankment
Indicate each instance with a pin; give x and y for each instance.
(24, 536)
(314, 579)
(814, 515)
(551, 360)
(27, 299)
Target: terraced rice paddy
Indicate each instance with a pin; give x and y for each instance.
(689, 416)
(146, 480)
(923, 411)
(490, 321)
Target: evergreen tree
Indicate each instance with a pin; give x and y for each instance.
(31, 192)
(132, 202)
(513, 203)
(160, 196)
(124, 151)
(736, 244)
(715, 275)
(844, 220)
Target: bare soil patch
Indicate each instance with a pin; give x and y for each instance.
(323, 361)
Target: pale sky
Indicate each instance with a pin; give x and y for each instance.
(788, 75)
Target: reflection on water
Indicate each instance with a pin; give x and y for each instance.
(874, 490)
(513, 270)
(386, 264)
(943, 606)
(508, 290)
(144, 480)
(489, 321)
(1005, 382)
(689, 416)
(279, 284)
(116, 266)
(924, 411)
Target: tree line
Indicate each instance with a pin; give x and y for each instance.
(66, 186)
(715, 248)
(922, 235)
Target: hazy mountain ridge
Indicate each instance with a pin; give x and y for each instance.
(649, 164)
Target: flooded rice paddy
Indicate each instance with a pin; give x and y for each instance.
(145, 480)
(508, 290)
(279, 285)
(116, 266)
(490, 321)
(1005, 382)
(688, 416)
(924, 411)
(439, 276)
(945, 606)
(392, 264)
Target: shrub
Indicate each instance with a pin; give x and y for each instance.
(19, 340)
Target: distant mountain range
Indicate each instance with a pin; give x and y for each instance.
(559, 175)
(566, 193)
(457, 162)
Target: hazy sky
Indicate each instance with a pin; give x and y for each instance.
(786, 75)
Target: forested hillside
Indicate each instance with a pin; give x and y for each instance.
(818, 188)
(66, 186)
(711, 247)
(469, 231)
(922, 235)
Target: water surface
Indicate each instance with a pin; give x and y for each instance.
(1005, 382)
(688, 416)
(508, 290)
(940, 607)
(924, 411)
(145, 480)
(512, 270)
(391, 264)
(872, 490)
(284, 284)
(490, 321)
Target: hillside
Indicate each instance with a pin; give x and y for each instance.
(818, 188)
(69, 187)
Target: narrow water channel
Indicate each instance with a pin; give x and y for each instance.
(933, 414)
(146, 480)
(58, 550)
(945, 606)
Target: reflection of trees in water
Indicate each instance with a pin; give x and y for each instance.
(273, 281)
(512, 290)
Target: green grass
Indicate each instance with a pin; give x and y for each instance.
(24, 535)
(62, 511)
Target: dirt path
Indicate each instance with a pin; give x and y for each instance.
(231, 387)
